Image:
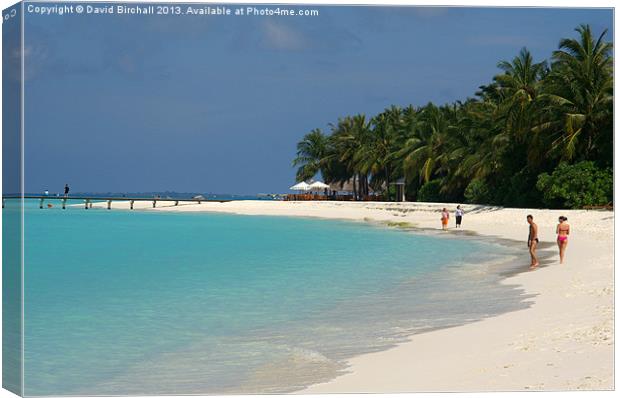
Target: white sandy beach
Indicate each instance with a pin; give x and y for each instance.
(563, 341)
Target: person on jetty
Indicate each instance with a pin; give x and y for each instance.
(66, 190)
(458, 214)
(445, 216)
(563, 230)
(532, 241)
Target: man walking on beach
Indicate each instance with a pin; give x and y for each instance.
(532, 241)
(66, 190)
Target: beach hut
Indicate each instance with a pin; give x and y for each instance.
(400, 189)
(346, 186)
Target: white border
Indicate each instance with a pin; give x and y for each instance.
(430, 3)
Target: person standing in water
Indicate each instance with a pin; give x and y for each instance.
(66, 190)
(532, 241)
(459, 216)
(445, 216)
(563, 230)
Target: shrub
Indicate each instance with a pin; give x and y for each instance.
(477, 191)
(429, 192)
(519, 191)
(575, 186)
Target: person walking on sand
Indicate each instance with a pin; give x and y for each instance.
(532, 241)
(459, 216)
(66, 190)
(563, 230)
(445, 216)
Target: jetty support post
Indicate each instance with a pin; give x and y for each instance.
(176, 202)
(86, 203)
(154, 203)
(64, 204)
(109, 204)
(41, 203)
(131, 204)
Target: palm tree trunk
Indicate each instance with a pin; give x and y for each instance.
(387, 183)
(359, 186)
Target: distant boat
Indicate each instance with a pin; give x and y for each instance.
(199, 197)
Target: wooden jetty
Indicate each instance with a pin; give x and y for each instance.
(88, 200)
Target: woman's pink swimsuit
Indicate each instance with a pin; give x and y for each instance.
(562, 238)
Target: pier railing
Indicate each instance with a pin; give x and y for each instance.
(88, 200)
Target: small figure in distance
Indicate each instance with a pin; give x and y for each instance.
(459, 216)
(445, 216)
(66, 190)
(563, 230)
(532, 241)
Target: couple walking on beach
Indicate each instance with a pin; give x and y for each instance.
(562, 230)
(445, 216)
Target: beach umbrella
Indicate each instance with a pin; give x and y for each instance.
(302, 186)
(318, 186)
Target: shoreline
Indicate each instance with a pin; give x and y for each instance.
(563, 341)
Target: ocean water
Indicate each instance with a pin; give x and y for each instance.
(120, 302)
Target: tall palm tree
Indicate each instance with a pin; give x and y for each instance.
(579, 94)
(521, 76)
(519, 110)
(375, 155)
(347, 138)
(425, 150)
(311, 151)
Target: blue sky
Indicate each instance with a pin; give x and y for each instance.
(217, 104)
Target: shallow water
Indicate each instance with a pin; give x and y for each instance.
(120, 302)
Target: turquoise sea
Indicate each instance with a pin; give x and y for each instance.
(120, 302)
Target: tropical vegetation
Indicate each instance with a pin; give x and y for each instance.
(520, 141)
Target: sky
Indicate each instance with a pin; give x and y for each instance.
(216, 104)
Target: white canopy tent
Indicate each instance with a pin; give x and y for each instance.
(302, 186)
(318, 186)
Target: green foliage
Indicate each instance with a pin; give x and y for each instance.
(311, 152)
(519, 191)
(477, 192)
(430, 192)
(576, 186)
(534, 115)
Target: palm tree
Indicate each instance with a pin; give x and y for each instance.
(520, 79)
(311, 151)
(425, 149)
(579, 94)
(519, 109)
(347, 139)
(528, 119)
(375, 156)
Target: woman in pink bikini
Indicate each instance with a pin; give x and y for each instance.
(563, 230)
